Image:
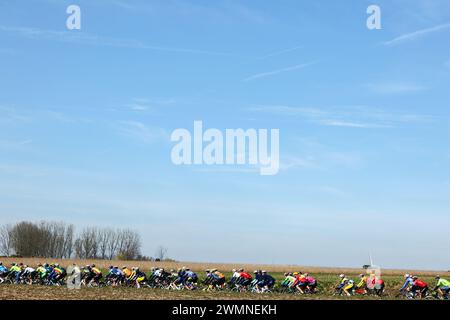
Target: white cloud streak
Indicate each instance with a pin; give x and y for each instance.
(394, 88)
(347, 116)
(277, 53)
(275, 72)
(87, 39)
(414, 35)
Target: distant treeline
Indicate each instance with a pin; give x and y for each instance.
(59, 240)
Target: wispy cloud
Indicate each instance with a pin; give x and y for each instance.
(344, 116)
(145, 105)
(10, 115)
(275, 72)
(417, 34)
(141, 132)
(280, 52)
(340, 123)
(88, 39)
(393, 88)
(15, 145)
(320, 158)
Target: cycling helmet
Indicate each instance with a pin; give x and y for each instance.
(241, 270)
(342, 275)
(256, 271)
(407, 275)
(264, 271)
(438, 276)
(93, 265)
(233, 270)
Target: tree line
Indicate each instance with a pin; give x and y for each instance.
(59, 240)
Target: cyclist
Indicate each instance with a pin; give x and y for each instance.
(300, 283)
(28, 274)
(409, 282)
(267, 281)
(15, 272)
(220, 277)
(244, 278)
(345, 285)
(95, 273)
(190, 280)
(442, 287)
(126, 272)
(288, 281)
(419, 285)
(311, 283)
(258, 278)
(191, 276)
(41, 271)
(139, 277)
(235, 276)
(3, 272)
(361, 287)
(56, 274)
(115, 275)
(181, 276)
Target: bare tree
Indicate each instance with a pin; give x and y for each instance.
(113, 244)
(129, 244)
(5, 240)
(105, 238)
(161, 253)
(57, 240)
(86, 245)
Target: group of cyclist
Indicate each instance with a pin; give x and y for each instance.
(22, 273)
(367, 284)
(415, 287)
(241, 280)
(261, 281)
(299, 282)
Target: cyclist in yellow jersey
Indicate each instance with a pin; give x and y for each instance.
(126, 272)
(346, 285)
(442, 287)
(361, 286)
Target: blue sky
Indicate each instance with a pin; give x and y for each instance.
(86, 117)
